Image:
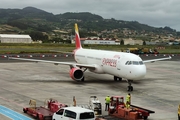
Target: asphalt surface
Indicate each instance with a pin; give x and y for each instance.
(22, 81)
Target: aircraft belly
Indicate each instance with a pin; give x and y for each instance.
(110, 70)
(123, 75)
(132, 73)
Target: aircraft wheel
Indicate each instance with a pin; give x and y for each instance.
(115, 78)
(82, 79)
(25, 111)
(120, 79)
(130, 88)
(37, 116)
(145, 117)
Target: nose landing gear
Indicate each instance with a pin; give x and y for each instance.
(129, 88)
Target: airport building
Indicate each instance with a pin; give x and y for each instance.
(108, 41)
(12, 38)
(102, 41)
(130, 41)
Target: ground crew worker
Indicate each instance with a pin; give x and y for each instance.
(74, 100)
(107, 99)
(128, 100)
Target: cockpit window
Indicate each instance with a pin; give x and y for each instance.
(126, 63)
(130, 62)
(141, 62)
(135, 63)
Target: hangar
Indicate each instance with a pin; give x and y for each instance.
(13, 38)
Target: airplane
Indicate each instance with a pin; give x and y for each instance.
(118, 64)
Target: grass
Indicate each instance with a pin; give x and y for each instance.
(46, 48)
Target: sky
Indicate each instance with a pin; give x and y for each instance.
(156, 13)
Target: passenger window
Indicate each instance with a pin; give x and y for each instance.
(60, 112)
(87, 115)
(70, 114)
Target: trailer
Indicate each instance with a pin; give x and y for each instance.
(118, 109)
(43, 112)
(51, 106)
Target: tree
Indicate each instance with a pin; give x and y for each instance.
(36, 35)
(144, 42)
(122, 42)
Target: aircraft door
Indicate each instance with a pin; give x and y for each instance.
(121, 69)
(58, 115)
(118, 64)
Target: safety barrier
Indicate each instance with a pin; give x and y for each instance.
(37, 55)
(70, 55)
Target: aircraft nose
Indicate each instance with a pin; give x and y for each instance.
(139, 72)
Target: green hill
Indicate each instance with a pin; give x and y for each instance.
(33, 19)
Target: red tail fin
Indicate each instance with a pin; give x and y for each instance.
(78, 41)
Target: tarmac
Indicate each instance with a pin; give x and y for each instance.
(22, 81)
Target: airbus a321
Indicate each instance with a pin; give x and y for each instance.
(118, 64)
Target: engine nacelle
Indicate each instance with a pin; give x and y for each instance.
(76, 74)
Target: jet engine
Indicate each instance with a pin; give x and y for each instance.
(76, 74)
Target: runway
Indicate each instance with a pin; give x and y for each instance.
(22, 81)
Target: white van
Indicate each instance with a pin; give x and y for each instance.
(74, 113)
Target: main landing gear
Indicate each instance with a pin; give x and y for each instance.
(129, 88)
(117, 78)
(82, 80)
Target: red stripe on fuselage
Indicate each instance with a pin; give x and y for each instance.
(78, 42)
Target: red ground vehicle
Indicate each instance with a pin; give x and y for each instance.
(43, 112)
(119, 110)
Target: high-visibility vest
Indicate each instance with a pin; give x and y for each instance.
(128, 97)
(107, 99)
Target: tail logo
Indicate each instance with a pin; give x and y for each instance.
(78, 42)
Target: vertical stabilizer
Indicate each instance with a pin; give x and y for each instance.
(78, 41)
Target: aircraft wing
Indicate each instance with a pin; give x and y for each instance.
(153, 60)
(61, 52)
(55, 62)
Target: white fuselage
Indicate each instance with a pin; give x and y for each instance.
(120, 64)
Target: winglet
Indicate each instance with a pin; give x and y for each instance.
(78, 41)
(170, 57)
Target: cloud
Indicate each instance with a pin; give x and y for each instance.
(157, 13)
